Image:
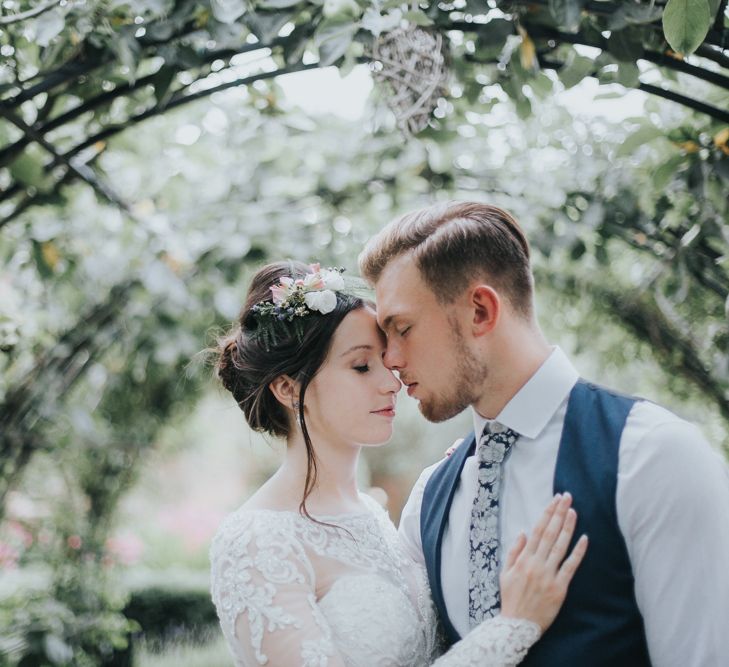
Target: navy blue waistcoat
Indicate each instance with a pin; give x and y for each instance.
(599, 624)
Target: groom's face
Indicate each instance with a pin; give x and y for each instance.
(425, 344)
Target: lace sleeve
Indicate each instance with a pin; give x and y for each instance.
(497, 642)
(262, 584)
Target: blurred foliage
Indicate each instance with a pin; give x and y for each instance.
(120, 249)
(43, 629)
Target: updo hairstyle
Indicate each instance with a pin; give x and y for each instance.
(248, 362)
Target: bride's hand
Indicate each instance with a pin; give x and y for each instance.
(536, 574)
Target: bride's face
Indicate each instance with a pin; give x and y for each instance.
(352, 397)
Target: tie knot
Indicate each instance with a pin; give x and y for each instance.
(494, 446)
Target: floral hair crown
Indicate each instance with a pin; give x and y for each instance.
(293, 299)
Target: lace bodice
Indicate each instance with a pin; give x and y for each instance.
(291, 592)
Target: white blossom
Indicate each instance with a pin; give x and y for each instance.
(323, 301)
(332, 279)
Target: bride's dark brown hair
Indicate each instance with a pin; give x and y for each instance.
(248, 362)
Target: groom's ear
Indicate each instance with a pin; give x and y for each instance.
(485, 304)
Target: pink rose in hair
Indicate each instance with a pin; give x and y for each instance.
(280, 292)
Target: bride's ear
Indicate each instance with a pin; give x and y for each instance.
(286, 391)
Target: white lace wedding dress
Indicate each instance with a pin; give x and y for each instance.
(293, 593)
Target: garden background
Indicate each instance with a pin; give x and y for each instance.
(154, 153)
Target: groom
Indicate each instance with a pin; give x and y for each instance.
(455, 298)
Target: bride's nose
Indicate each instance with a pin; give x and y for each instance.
(391, 384)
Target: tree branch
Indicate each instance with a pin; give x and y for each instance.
(8, 153)
(29, 14)
(53, 374)
(82, 171)
(639, 314)
(714, 112)
(703, 107)
(112, 130)
(714, 54)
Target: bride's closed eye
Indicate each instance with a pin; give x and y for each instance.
(362, 369)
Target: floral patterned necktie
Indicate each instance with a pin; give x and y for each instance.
(483, 570)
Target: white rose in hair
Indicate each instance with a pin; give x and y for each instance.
(323, 301)
(332, 280)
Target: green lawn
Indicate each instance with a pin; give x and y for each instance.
(213, 654)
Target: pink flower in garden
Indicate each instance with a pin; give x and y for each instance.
(21, 533)
(74, 541)
(315, 268)
(8, 557)
(127, 548)
(193, 524)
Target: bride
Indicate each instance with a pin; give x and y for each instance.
(309, 571)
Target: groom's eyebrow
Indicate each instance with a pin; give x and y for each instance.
(388, 322)
(356, 347)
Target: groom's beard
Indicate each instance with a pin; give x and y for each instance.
(464, 386)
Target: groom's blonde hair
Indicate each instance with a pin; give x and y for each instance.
(453, 243)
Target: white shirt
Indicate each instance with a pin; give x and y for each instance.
(672, 504)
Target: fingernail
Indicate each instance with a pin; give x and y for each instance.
(567, 494)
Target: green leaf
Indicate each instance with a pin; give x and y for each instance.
(714, 8)
(333, 38)
(566, 13)
(266, 25)
(523, 107)
(663, 174)
(126, 49)
(418, 17)
(541, 84)
(632, 13)
(295, 46)
(628, 75)
(576, 68)
(641, 136)
(578, 249)
(685, 24)
(162, 81)
(626, 45)
(491, 38)
(28, 169)
(44, 269)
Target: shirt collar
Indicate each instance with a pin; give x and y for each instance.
(531, 408)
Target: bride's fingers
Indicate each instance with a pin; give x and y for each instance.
(559, 549)
(554, 527)
(572, 562)
(515, 551)
(538, 531)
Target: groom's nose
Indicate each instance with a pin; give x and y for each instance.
(393, 356)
